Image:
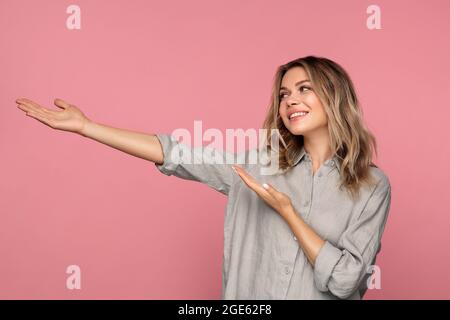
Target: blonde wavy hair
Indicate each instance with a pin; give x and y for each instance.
(351, 141)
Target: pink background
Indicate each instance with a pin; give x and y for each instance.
(154, 66)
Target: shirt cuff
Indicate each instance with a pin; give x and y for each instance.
(168, 142)
(325, 262)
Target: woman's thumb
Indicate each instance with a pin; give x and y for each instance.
(61, 103)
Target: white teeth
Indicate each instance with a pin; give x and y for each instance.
(296, 114)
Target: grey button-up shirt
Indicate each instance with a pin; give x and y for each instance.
(262, 258)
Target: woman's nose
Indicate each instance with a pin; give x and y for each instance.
(293, 101)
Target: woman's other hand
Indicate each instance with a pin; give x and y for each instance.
(279, 201)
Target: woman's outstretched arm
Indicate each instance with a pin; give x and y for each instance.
(70, 118)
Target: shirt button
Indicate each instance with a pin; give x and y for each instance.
(332, 163)
(320, 174)
(295, 238)
(286, 270)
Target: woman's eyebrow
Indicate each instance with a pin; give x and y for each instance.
(300, 82)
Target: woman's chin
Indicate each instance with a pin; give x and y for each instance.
(297, 130)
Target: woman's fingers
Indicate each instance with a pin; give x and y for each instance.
(252, 183)
(274, 193)
(40, 118)
(27, 102)
(67, 118)
(282, 199)
(278, 200)
(27, 108)
(33, 106)
(29, 105)
(26, 105)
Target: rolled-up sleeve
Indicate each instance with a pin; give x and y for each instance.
(203, 164)
(340, 269)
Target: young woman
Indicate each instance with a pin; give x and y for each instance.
(311, 231)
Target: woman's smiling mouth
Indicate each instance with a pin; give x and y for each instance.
(298, 115)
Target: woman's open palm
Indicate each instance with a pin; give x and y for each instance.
(69, 118)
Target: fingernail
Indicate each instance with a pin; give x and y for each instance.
(265, 186)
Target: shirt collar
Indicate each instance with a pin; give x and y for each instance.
(303, 155)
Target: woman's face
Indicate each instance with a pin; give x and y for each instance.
(296, 95)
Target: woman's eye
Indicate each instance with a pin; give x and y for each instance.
(302, 87)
